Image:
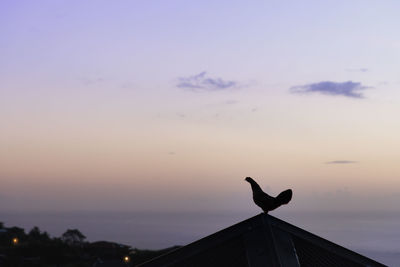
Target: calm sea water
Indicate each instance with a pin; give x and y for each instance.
(376, 235)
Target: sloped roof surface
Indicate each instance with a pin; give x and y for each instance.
(262, 240)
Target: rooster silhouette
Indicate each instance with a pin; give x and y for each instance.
(265, 201)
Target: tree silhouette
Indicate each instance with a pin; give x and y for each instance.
(35, 235)
(73, 237)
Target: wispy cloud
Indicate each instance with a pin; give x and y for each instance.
(358, 70)
(202, 82)
(231, 102)
(348, 89)
(341, 162)
(91, 81)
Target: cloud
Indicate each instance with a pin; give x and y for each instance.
(348, 89)
(358, 70)
(91, 81)
(201, 82)
(231, 102)
(341, 162)
(181, 115)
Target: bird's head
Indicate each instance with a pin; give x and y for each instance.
(249, 179)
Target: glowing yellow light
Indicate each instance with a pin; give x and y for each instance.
(126, 259)
(15, 241)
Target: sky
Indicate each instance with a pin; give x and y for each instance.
(169, 105)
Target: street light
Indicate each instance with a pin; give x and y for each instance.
(15, 241)
(127, 259)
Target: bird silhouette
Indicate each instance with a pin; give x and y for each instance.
(265, 201)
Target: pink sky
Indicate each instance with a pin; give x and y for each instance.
(107, 106)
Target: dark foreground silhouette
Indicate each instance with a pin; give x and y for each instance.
(265, 201)
(37, 249)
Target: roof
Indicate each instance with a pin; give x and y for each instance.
(262, 240)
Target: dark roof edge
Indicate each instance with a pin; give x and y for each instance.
(319, 241)
(260, 220)
(217, 237)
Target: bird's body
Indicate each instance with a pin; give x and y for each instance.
(265, 201)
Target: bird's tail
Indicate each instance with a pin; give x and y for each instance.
(284, 197)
